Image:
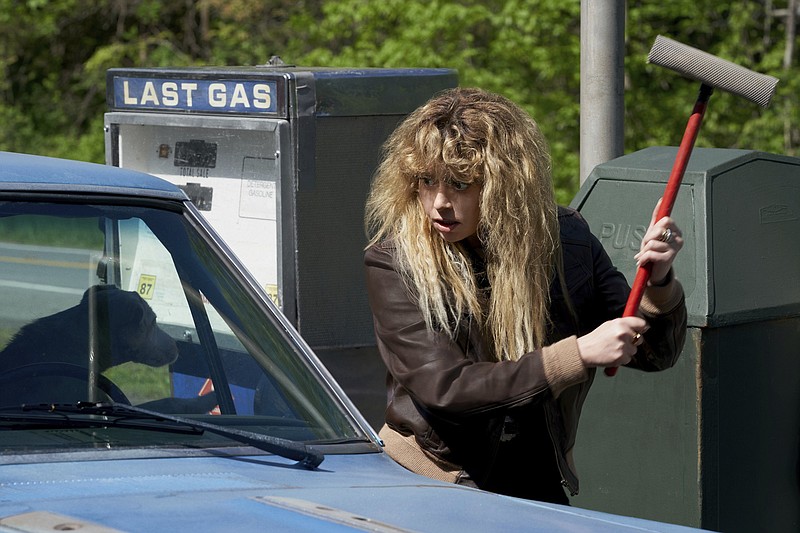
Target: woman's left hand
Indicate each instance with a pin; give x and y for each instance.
(660, 244)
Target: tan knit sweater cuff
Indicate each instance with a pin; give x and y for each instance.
(662, 300)
(563, 366)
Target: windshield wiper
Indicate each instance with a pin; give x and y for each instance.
(50, 416)
(307, 456)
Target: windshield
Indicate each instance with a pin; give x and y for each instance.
(133, 305)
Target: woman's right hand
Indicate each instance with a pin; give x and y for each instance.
(613, 343)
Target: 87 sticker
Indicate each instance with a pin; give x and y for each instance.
(272, 292)
(146, 286)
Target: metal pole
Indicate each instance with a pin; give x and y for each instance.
(602, 83)
(791, 32)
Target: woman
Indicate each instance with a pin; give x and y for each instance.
(492, 306)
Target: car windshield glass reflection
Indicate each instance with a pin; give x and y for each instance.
(129, 305)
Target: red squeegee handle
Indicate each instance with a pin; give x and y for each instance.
(668, 200)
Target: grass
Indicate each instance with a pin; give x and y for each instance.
(51, 231)
(141, 383)
(5, 336)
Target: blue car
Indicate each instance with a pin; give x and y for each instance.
(147, 383)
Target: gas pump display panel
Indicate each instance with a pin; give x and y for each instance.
(231, 169)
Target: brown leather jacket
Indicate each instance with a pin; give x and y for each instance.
(453, 401)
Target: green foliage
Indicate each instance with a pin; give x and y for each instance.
(54, 55)
(511, 47)
(42, 48)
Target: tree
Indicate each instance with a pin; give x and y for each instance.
(54, 55)
(527, 50)
(658, 101)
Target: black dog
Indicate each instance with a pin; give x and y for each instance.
(124, 329)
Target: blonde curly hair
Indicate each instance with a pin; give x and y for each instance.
(477, 137)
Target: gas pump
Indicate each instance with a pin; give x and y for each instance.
(279, 159)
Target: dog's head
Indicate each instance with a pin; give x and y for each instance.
(127, 326)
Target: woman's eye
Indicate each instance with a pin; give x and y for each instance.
(458, 185)
(427, 182)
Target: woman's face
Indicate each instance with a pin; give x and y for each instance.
(453, 207)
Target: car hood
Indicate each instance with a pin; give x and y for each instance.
(346, 493)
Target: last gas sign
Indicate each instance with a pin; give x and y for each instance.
(226, 96)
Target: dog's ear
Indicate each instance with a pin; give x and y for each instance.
(94, 308)
(126, 308)
(115, 311)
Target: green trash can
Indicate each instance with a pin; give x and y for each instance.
(715, 441)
